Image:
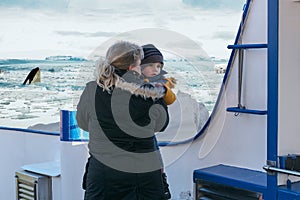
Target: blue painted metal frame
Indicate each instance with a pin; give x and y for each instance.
(272, 125)
(272, 192)
(247, 111)
(234, 176)
(247, 46)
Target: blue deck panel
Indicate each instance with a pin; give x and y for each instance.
(234, 176)
(291, 193)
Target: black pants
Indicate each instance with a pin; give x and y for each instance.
(105, 183)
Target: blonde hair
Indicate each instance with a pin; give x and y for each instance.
(120, 55)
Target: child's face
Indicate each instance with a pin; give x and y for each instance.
(152, 69)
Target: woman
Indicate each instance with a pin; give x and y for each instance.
(122, 115)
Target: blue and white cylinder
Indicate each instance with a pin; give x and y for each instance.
(69, 130)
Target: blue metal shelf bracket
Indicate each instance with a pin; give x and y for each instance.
(247, 46)
(246, 111)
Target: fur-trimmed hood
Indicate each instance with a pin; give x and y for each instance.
(145, 90)
(134, 83)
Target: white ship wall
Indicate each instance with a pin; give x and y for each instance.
(289, 77)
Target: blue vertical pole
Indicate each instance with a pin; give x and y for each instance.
(272, 125)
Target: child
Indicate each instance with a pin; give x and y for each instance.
(151, 67)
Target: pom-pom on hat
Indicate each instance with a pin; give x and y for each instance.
(151, 55)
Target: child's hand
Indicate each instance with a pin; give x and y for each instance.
(171, 82)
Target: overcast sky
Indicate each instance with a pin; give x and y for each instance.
(35, 29)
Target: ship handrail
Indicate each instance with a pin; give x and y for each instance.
(30, 130)
(269, 168)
